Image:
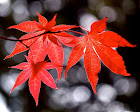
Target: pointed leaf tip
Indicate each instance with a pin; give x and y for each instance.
(128, 74)
(12, 90)
(58, 79)
(36, 103)
(42, 19)
(55, 15)
(105, 18)
(125, 73)
(6, 57)
(95, 92)
(10, 27)
(98, 26)
(133, 46)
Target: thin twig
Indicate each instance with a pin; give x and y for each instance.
(21, 40)
(6, 38)
(76, 32)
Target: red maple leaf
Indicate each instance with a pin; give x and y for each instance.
(96, 46)
(35, 73)
(42, 38)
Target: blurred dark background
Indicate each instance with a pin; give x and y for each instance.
(116, 93)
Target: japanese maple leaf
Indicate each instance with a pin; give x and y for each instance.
(96, 46)
(35, 73)
(46, 35)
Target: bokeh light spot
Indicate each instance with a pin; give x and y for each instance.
(106, 93)
(86, 20)
(81, 94)
(3, 106)
(9, 45)
(125, 86)
(116, 106)
(107, 11)
(34, 7)
(7, 82)
(5, 8)
(53, 5)
(20, 12)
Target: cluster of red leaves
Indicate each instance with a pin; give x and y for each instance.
(43, 39)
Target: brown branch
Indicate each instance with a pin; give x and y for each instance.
(6, 38)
